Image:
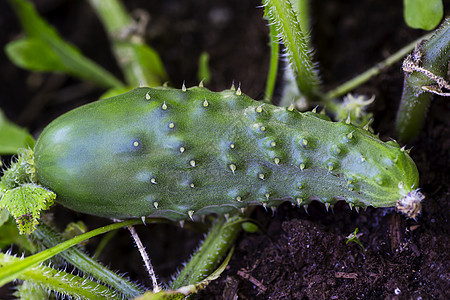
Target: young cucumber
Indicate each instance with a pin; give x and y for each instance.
(176, 154)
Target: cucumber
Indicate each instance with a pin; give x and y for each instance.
(164, 152)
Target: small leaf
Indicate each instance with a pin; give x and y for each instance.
(33, 54)
(354, 237)
(25, 204)
(423, 14)
(13, 137)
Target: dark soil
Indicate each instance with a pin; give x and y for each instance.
(299, 255)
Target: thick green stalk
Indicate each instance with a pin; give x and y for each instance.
(49, 238)
(217, 243)
(425, 70)
(282, 15)
(140, 63)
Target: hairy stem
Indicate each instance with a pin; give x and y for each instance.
(145, 258)
(282, 15)
(11, 271)
(219, 240)
(60, 281)
(49, 238)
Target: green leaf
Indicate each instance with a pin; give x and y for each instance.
(354, 237)
(75, 63)
(423, 14)
(13, 137)
(25, 204)
(33, 54)
(4, 217)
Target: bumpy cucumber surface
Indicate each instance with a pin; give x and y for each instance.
(173, 153)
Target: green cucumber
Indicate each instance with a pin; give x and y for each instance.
(176, 154)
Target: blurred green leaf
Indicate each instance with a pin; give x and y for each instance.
(13, 137)
(423, 14)
(144, 58)
(75, 63)
(33, 54)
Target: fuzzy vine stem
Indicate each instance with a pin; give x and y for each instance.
(301, 7)
(61, 282)
(219, 240)
(284, 18)
(50, 238)
(11, 271)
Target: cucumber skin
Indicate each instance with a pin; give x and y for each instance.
(172, 153)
